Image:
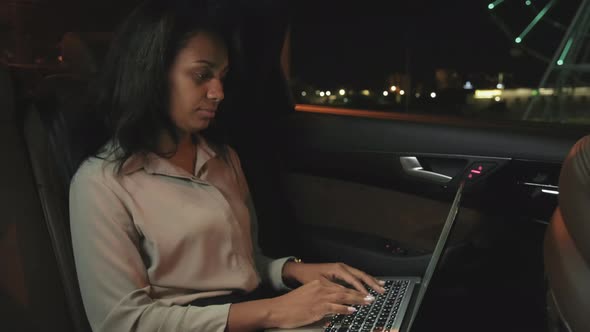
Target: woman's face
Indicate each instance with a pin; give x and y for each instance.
(196, 82)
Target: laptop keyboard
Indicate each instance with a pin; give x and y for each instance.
(378, 316)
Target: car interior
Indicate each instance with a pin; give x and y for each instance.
(329, 185)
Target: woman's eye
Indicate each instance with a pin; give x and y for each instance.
(203, 76)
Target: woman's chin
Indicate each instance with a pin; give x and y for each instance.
(200, 125)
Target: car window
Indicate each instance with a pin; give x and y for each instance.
(502, 60)
(36, 34)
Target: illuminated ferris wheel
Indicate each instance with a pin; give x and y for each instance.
(556, 32)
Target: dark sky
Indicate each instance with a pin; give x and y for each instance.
(338, 42)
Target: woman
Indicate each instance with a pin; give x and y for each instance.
(161, 215)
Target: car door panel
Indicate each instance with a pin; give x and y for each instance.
(345, 177)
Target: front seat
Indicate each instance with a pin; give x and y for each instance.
(567, 245)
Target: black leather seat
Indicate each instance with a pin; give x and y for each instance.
(30, 284)
(567, 245)
(51, 124)
(41, 143)
(48, 133)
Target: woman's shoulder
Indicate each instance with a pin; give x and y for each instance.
(100, 165)
(95, 169)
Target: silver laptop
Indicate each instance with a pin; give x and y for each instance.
(396, 309)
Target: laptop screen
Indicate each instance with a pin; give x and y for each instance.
(438, 250)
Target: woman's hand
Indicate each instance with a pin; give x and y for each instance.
(333, 272)
(318, 297)
(312, 302)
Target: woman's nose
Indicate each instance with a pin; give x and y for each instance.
(215, 91)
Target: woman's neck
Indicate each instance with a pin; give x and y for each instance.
(183, 154)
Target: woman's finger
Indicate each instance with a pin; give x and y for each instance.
(350, 297)
(372, 282)
(343, 274)
(332, 308)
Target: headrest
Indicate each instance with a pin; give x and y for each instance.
(76, 55)
(574, 195)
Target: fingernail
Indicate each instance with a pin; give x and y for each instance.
(351, 309)
(382, 289)
(369, 298)
(381, 282)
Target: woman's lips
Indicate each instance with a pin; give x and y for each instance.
(208, 112)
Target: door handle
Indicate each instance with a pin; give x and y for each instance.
(412, 167)
(545, 188)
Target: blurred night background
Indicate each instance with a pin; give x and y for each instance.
(471, 58)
